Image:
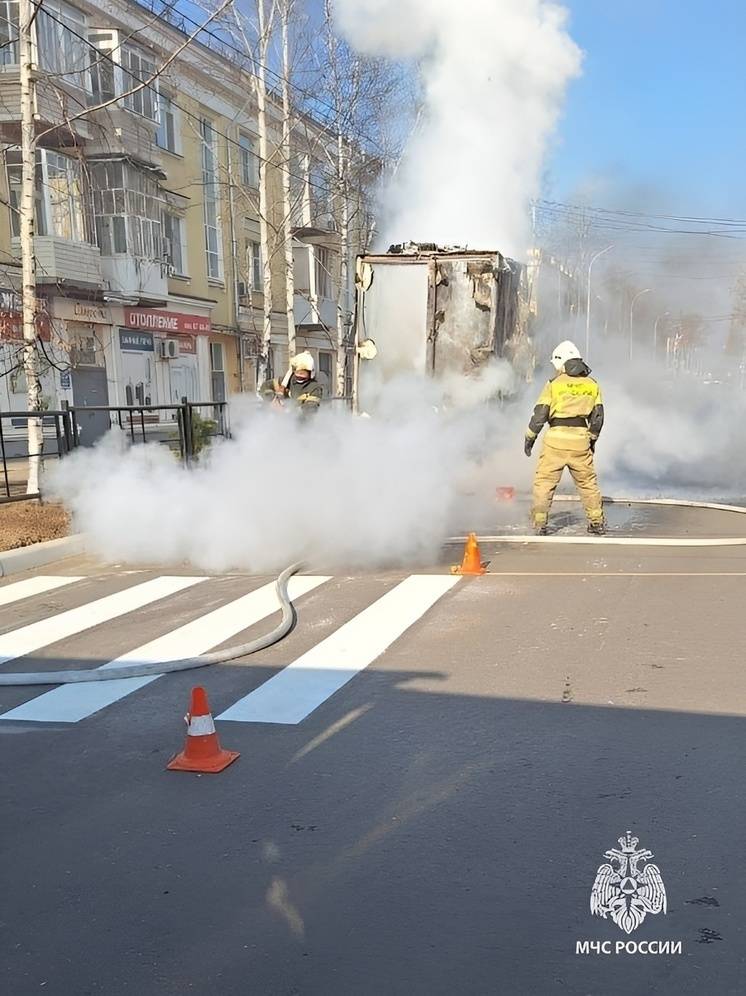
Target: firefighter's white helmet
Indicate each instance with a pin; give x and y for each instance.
(303, 361)
(561, 354)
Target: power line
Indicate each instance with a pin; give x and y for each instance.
(278, 76)
(637, 214)
(190, 114)
(602, 219)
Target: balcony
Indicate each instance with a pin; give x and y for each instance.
(59, 261)
(62, 262)
(121, 132)
(54, 105)
(314, 311)
(128, 208)
(129, 277)
(316, 280)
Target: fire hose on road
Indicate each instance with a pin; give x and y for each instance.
(168, 667)
(660, 541)
(288, 615)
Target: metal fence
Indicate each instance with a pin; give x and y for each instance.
(190, 427)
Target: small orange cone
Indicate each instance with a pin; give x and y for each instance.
(472, 562)
(202, 750)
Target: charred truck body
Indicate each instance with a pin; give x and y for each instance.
(437, 311)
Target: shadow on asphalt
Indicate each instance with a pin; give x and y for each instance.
(399, 841)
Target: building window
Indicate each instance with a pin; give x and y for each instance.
(174, 248)
(326, 365)
(8, 32)
(211, 201)
(137, 67)
(102, 67)
(256, 269)
(253, 271)
(116, 67)
(249, 161)
(127, 205)
(217, 371)
(298, 189)
(167, 136)
(322, 267)
(318, 182)
(61, 208)
(61, 41)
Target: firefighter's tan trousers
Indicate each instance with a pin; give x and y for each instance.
(552, 462)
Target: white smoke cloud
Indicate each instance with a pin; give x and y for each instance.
(494, 76)
(338, 490)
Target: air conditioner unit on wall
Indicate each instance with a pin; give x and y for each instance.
(168, 349)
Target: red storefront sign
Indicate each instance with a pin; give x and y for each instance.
(168, 322)
(11, 326)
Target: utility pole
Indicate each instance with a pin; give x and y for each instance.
(655, 333)
(28, 256)
(637, 296)
(588, 302)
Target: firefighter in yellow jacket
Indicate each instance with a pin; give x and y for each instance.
(571, 406)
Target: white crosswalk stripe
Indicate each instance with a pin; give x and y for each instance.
(18, 590)
(71, 703)
(304, 685)
(25, 640)
(287, 698)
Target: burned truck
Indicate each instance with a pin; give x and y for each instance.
(438, 312)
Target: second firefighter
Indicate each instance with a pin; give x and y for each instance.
(572, 408)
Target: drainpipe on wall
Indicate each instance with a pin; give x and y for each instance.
(234, 269)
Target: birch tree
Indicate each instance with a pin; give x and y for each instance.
(287, 8)
(359, 97)
(28, 256)
(265, 19)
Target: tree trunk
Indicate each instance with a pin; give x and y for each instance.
(261, 101)
(287, 221)
(343, 215)
(28, 257)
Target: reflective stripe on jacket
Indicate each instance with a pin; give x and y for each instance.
(573, 407)
(306, 394)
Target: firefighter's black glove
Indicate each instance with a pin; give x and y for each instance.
(528, 445)
(593, 445)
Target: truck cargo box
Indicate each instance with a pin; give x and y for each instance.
(435, 311)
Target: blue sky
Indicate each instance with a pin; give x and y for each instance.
(658, 116)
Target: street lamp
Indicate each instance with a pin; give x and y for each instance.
(666, 314)
(631, 315)
(588, 302)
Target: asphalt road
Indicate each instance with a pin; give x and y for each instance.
(433, 827)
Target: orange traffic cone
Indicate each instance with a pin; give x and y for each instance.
(472, 562)
(202, 750)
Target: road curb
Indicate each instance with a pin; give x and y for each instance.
(25, 558)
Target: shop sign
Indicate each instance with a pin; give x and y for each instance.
(10, 300)
(187, 344)
(154, 320)
(139, 342)
(81, 311)
(11, 318)
(11, 326)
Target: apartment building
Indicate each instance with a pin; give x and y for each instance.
(149, 260)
